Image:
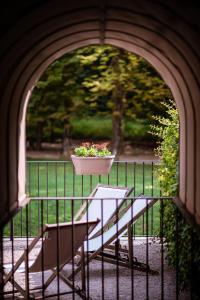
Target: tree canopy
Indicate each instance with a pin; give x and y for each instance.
(94, 81)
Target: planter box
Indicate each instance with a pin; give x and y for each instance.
(92, 165)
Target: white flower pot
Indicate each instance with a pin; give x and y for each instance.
(92, 165)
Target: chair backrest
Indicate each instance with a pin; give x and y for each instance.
(138, 207)
(103, 208)
(60, 244)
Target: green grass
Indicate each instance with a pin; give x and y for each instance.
(56, 179)
(101, 128)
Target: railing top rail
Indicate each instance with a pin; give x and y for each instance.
(103, 198)
(116, 161)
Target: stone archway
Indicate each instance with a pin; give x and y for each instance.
(163, 33)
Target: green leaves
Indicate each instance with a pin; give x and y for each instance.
(181, 238)
(85, 83)
(167, 130)
(92, 150)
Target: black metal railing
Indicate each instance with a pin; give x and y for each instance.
(125, 258)
(119, 264)
(58, 179)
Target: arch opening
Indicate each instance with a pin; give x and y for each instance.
(166, 50)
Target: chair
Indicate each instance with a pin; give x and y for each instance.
(101, 207)
(95, 246)
(59, 244)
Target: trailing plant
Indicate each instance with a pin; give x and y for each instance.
(183, 243)
(92, 150)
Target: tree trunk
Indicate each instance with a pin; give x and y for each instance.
(39, 136)
(118, 95)
(117, 118)
(66, 144)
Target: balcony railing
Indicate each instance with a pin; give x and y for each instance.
(58, 179)
(124, 259)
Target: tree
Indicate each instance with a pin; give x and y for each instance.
(54, 100)
(127, 82)
(95, 80)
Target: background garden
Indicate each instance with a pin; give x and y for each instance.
(96, 93)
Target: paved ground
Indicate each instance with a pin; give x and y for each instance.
(129, 284)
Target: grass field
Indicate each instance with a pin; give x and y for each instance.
(57, 179)
(101, 128)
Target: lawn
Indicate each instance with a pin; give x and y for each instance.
(57, 179)
(101, 128)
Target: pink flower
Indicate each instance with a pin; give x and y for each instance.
(86, 145)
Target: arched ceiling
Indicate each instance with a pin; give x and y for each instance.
(160, 31)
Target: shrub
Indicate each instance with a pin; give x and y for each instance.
(183, 243)
(167, 131)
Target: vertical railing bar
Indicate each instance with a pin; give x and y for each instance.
(65, 210)
(72, 220)
(27, 254)
(29, 192)
(143, 191)
(117, 250)
(132, 244)
(29, 178)
(56, 169)
(73, 187)
(38, 193)
(12, 250)
(117, 170)
(152, 193)
(134, 192)
(47, 187)
(58, 249)
(191, 263)
(21, 222)
(143, 180)
(108, 179)
(82, 179)
(90, 183)
(30, 219)
(177, 254)
(147, 250)
(11, 229)
(134, 177)
(87, 253)
(99, 178)
(42, 248)
(126, 175)
(162, 248)
(102, 259)
(58, 237)
(56, 177)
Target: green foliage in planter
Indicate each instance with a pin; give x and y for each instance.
(183, 244)
(92, 150)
